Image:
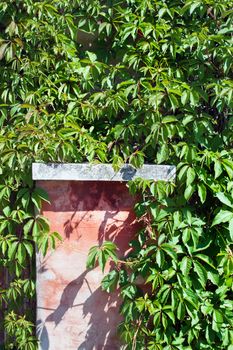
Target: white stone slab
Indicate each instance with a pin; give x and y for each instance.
(100, 172)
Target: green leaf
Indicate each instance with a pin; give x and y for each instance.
(171, 316)
(129, 291)
(102, 254)
(36, 229)
(228, 165)
(169, 119)
(141, 304)
(21, 253)
(206, 259)
(191, 297)
(12, 250)
(185, 265)
(169, 249)
(163, 153)
(180, 311)
(186, 235)
(194, 98)
(231, 228)
(7, 211)
(209, 334)
(189, 192)
(217, 320)
(190, 176)
(92, 256)
(213, 277)
(25, 200)
(29, 248)
(174, 102)
(36, 200)
(109, 245)
(222, 216)
(193, 7)
(44, 245)
(137, 159)
(57, 236)
(217, 168)
(201, 192)
(185, 97)
(159, 258)
(109, 282)
(201, 272)
(225, 199)
(3, 48)
(42, 194)
(164, 321)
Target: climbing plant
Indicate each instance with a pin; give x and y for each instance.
(124, 81)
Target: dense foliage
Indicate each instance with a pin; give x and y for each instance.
(125, 81)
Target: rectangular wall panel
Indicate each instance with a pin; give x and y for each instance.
(73, 313)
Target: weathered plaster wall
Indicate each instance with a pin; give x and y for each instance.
(73, 313)
(2, 286)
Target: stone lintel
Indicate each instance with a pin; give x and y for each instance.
(100, 172)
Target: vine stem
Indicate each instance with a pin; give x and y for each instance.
(136, 333)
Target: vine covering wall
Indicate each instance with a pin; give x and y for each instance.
(124, 81)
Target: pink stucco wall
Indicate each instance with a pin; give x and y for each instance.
(73, 313)
(2, 286)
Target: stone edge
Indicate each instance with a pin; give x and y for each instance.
(100, 172)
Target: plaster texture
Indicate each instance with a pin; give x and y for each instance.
(2, 286)
(101, 172)
(73, 313)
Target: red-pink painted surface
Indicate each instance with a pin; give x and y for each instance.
(73, 313)
(2, 286)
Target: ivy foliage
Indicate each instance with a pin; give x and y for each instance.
(125, 81)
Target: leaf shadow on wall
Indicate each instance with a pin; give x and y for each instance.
(104, 317)
(67, 299)
(101, 307)
(116, 222)
(42, 335)
(111, 199)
